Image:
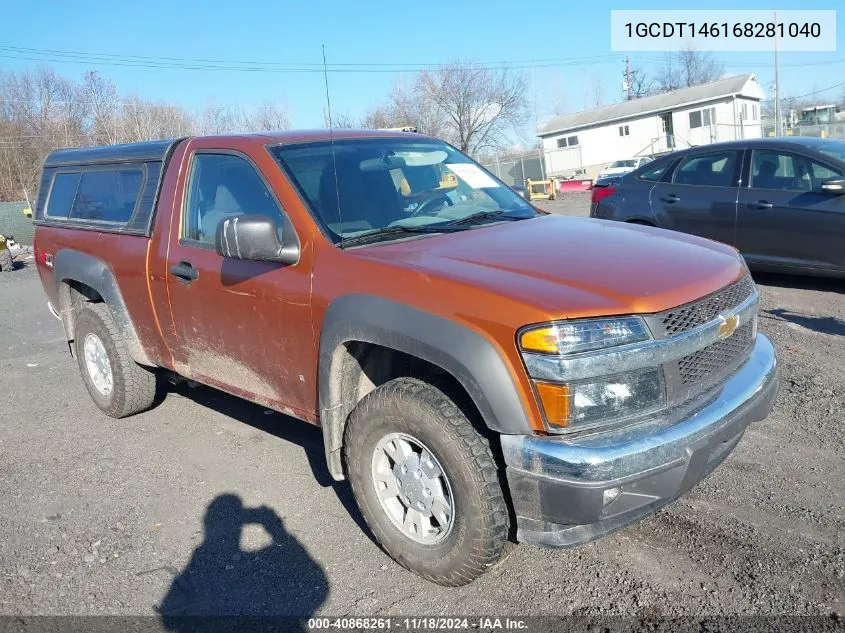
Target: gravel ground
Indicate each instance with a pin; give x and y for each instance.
(105, 516)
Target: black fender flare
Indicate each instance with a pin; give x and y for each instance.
(466, 355)
(71, 265)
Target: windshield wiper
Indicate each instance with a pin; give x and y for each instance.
(484, 215)
(379, 234)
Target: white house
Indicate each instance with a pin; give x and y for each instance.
(723, 110)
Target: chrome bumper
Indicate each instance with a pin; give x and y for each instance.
(569, 490)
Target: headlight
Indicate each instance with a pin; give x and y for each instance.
(573, 337)
(579, 405)
(573, 405)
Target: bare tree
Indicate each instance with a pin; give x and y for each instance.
(342, 120)
(594, 92)
(104, 108)
(380, 117)
(267, 116)
(642, 85)
(477, 105)
(468, 105)
(407, 105)
(688, 67)
(40, 111)
(216, 118)
(558, 99)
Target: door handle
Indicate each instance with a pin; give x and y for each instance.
(760, 204)
(671, 198)
(185, 272)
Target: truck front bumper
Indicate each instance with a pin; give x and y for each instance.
(569, 490)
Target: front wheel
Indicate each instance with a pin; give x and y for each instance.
(426, 482)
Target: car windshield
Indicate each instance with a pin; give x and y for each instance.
(624, 163)
(359, 186)
(833, 148)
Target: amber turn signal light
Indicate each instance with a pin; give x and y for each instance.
(555, 401)
(540, 340)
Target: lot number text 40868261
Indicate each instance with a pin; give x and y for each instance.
(417, 624)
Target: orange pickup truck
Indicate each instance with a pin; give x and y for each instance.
(480, 369)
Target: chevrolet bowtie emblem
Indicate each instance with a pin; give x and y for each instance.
(728, 326)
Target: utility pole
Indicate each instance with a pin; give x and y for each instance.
(628, 77)
(778, 115)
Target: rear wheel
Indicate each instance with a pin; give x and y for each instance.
(118, 385)
(426, 482)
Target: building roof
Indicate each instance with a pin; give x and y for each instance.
(746, 85)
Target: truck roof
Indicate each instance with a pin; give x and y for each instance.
(159, 150)
(129, 152)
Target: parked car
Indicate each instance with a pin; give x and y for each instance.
(619, 167)
(521, 191)
(778, 200)
(607, 181)
(470, 360)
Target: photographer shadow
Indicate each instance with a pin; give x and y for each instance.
(224, 587)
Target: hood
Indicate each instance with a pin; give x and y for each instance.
(573, 267)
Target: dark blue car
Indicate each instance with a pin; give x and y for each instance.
(780, 201)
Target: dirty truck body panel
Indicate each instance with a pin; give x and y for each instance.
(483, 309)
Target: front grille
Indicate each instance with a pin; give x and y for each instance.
(686, 317)
(716, 358)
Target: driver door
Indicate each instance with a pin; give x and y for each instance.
(784, 219)
(242, 326)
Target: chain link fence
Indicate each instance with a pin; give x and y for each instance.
(14, 222)
(514, 168)
(834, 131)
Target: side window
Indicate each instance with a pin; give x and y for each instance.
(223, 186)
(707, 170)
(62, 194)
(820, 173)
(695, 119)
(779, 170)
(654, 173)
(107, 195)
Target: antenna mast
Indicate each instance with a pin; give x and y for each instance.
(778, 114)
(331, 142)
(328, 98)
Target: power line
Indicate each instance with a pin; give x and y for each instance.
(319, 65)
(809, 94)
(109, 59)
(186, 63)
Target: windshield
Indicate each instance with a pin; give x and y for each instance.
(357, 186)
(623, 163)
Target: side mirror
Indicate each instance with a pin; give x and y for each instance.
(254, 237)
(834, 185)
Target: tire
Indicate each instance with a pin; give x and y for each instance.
(133, 388)
(6, 264)
(471, 542)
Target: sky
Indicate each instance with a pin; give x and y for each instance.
(262, 50)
